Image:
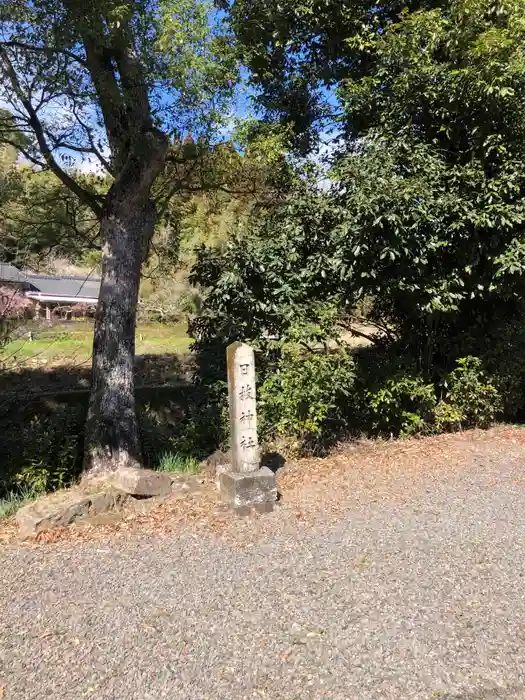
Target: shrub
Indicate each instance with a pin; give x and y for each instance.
(154, 436)
(45, 452)
(51, 455)
(299, 399)
(201, 427)
(471, 401)
(503, 359)
(403, 405)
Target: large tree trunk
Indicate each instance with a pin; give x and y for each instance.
(112, 435)
(112, 438)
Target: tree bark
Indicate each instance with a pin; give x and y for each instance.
(128, 222)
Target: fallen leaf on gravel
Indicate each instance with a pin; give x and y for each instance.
(313, 489)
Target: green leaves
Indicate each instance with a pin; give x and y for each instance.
(300, 396)
(199, 60)
(281, 269)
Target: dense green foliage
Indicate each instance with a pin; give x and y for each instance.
(423, 220)
(301, 397)
(299, 51)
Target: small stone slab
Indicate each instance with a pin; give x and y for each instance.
(249, 490)
(221, 469)
(65, 507)
(141, 482)
(215, 464)
(217, 458)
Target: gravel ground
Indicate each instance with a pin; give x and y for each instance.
(409, 592)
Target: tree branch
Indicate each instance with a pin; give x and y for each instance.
(105, 162)
(174, 188)
(99, 63)
(133, 81)
(44, 49)
(84, 196)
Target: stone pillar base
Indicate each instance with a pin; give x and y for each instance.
(249, 490)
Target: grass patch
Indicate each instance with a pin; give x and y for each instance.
(71, 343)
(14, 500)
(172, 462)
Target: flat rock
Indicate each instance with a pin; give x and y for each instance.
(65, 507)
(141, 482)
(187, 483)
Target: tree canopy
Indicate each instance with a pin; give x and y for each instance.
(417, 211)
(424, 217)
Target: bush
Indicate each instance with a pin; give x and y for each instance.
(44, 452)
(299, 399)
(407, 405)
(503, 359)
(199, 428)
(471, 401)
(403, 405)
(52, 447)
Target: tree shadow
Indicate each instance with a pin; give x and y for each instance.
(149, 370)
(43, 412)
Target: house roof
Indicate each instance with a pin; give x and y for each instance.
(85, 287)
(66, 286)
(10, 273)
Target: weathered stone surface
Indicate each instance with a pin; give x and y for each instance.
(249, 489)
(215, 464)
(221, 469)
(245, 455)
(216, 459)
(65, 507)
(141, 482)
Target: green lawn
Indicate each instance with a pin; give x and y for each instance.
(72, 343)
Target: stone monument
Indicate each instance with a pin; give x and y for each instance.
(246, 486)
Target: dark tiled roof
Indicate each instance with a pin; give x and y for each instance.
(66, 286)
(55, 286)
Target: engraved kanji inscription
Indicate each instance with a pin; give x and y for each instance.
(247, 417)
(248, 442)
(247, 392)
(242, 392)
